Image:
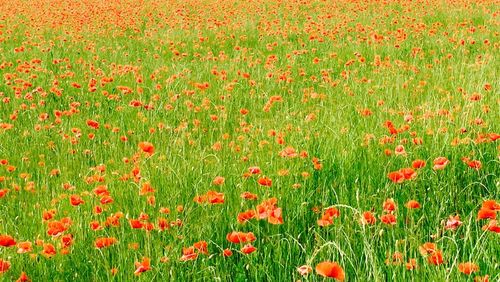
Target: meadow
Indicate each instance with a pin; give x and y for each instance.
(256, 140)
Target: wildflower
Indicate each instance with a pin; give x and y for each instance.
(331, 270)
(468, 268)
(440, 163)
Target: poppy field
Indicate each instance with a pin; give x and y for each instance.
(259, 140)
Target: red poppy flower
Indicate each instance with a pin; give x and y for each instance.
(485, 213)
(408, 173)
(76, 200)
(93, 124)
(396, 177)
(246, 216)
(147, 148)
(49, 250)
(248, 249)
(453, 222)
(388, 219)
(254, 170)
(23, 278)
(265, 181)
(331, 270)
(492, 226)
(142, 266)
(240, 237)
(418, 164)
(389, 205)
(188, 254)
(440, 163)
(227, 253)
(4, 266)
(368, 218)
(7, 241)
(474, 164)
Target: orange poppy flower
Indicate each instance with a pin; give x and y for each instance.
(146, 188)
(66, 240)
(485, 213)
(188, 254)
(436, 258)
(214, 197)
(325, 222)
(411, 264)
(3, 192)
(427, 248)
(246, 216)
(331, 270)
(248, 196)
(240, 237)
(24, 247)
(288, 152)
(101, 190)
(275, 216)
(106, 200)
(491, 204)
(200, 199)
(328, 216)
(485, 278)
(56, 228)
(219, 180)
(49, 250)
(368, 218)
(142, 266)
(412, 204)
(389, 205)
(317, 164)
(104, 242)
(201, 247)
(468, 268)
